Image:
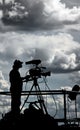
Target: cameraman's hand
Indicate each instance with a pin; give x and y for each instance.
(27, 77)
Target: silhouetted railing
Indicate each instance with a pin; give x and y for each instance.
(64, 93)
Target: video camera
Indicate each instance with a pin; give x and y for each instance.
(37, 71)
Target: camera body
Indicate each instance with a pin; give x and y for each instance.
(37, 71)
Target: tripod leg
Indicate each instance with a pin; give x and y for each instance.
(40, 99)
(26, 98)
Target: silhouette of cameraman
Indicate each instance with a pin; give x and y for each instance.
(16, 82)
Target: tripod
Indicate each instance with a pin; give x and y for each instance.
(39, 95)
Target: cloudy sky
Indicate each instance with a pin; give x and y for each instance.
(44, 29)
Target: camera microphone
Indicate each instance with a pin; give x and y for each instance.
(36, 62)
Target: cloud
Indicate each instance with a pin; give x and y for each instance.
(3, 83)
(71, 3)
(49, 15)
(60, 53)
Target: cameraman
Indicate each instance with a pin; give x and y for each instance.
(16, 82)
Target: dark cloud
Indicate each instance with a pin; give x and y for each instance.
(39, 15)
(33, 19)
(75, 33)
(71, 3)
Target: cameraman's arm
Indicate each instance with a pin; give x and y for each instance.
(26, 78)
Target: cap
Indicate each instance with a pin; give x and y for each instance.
(17, 62)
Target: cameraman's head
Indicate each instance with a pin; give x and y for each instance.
(17, 64)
